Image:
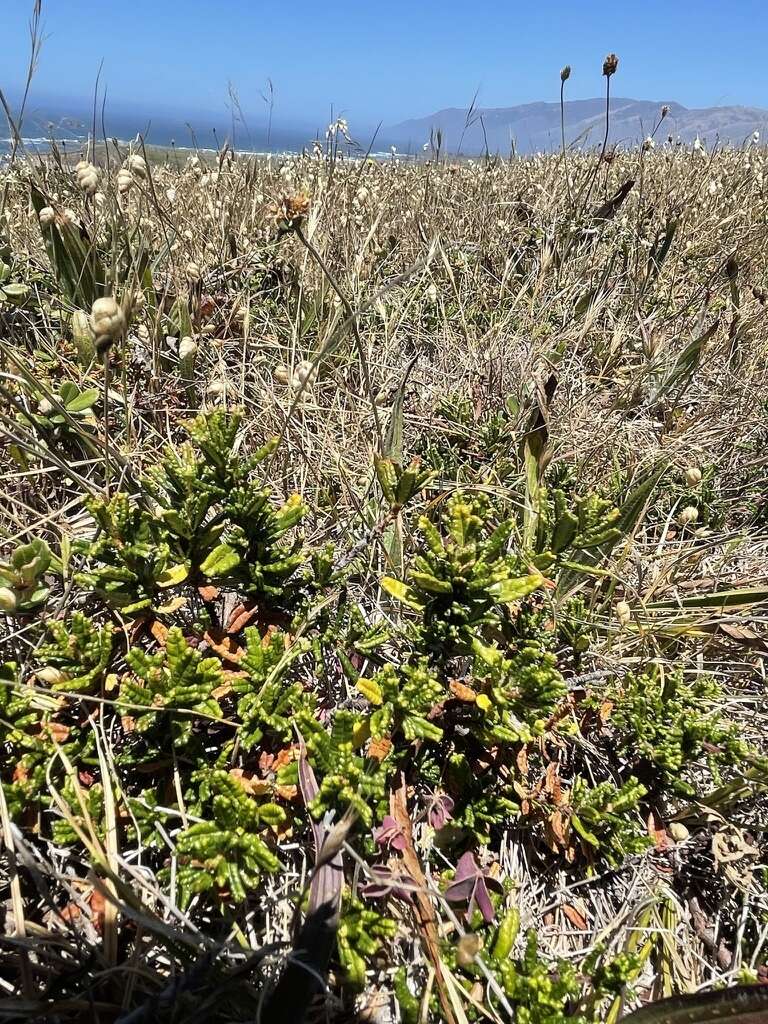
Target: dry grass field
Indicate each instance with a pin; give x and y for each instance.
(383, 585)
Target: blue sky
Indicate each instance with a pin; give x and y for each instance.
(388, 60)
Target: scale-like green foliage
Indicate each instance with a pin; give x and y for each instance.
(517, 694)
(78, 654)
(362, 933)
(86, 809)
(23, 741)
(173, 686)
(606, 818)
(347, 778)
(474, 711)
(228, 853)
(541, 993)
(461, 577)
(211, 518)
(567, 533)
(130, 560)
(666, 725)
(185, 492)
(402, 700)
(270, 702)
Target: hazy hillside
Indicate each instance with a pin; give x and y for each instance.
(536, 126)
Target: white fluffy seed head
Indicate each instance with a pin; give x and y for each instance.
(282, 374)
(623, 612)
(107, 321)
(137, 165)
(192, 270)
(7, 600)
(124, 180)
(47, 216)
(688, 516)
(305, 371)
(187, 348)
(44, 407)
(693, 476)
(87, 177)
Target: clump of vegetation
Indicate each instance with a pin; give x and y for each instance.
(363, 599)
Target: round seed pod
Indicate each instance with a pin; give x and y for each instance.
(107, 322)
(693, 476)
(50, 675)
(87, 177)
(678, 831)
(124, 180)
(306, 371)
(623, 612)
(187, 348)
(137, 165)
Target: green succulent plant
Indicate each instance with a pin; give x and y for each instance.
(361, 936)
(130, 561)
(170, 688)
(269, 702)
(78, 654)
(457, 583)
(226, 855)
(208, 518)
(22, 586)
(666, 725)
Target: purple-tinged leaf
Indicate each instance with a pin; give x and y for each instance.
(470, 885)
(389, 834)
(440, 810)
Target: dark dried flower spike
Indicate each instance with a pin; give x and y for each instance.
(610, 64)
(565, 74)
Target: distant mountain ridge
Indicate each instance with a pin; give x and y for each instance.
(536, 126)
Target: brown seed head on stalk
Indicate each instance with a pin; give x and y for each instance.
(610, 64)
(565, 74)
(290, 211)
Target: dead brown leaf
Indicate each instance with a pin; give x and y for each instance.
(225, 646)
(242, 615)
(462, 692)
(378, 749)
(575, 916)
(252, 785)
(159, 632)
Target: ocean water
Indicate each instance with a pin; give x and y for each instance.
(72, 132)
